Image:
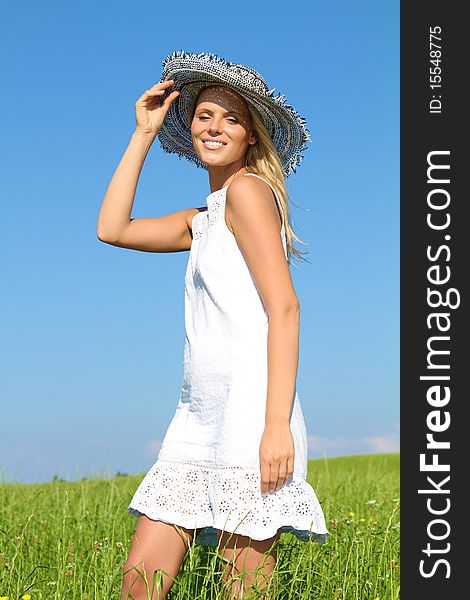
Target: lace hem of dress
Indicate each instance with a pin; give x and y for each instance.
(229, 499)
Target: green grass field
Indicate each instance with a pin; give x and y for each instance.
(68, 540)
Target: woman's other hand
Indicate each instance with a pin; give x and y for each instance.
(150, 112)
(276, 455)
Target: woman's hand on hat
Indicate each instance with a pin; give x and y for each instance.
(150, 112)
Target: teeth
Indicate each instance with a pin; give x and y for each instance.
(215, 144)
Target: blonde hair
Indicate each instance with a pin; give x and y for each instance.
(263, 159)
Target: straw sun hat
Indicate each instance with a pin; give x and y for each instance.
(192, 72)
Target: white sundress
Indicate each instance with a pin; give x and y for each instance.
(207, 473)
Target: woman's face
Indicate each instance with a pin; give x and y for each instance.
(221, 128)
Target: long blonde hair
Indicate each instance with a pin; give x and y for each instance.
(263, 159)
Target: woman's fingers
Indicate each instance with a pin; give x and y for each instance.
(282, 475)
(265, 469)
(150, 110)
(274, 476)
(282, 470)
(157, 90)
(154, 93)
(169, 99)
(276, 453)
(277, 479)
(290, 468)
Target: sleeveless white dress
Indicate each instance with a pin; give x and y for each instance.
(207, 472)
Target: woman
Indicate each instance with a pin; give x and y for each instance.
(232, 467)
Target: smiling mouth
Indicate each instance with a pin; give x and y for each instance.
(213, 145)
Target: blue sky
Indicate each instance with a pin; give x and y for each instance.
(92, 334)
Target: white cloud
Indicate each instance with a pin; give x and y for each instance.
(387, 442)
(334, 445)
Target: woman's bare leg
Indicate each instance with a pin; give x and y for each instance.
(155, 545)
(248, 564)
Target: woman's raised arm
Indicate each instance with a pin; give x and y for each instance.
(170, 233)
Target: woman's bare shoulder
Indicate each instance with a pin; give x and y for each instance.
(251, 196)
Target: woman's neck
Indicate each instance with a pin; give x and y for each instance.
(220, 177)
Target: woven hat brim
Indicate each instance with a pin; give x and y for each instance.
(192, 72)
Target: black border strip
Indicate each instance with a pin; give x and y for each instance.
(434, 272)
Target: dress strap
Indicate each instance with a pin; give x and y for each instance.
(275, 195)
